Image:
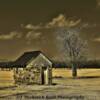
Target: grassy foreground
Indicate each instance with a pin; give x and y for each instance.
(87, 87)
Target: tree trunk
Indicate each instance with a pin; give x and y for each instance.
(74, 71)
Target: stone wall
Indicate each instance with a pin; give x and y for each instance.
(28, 76)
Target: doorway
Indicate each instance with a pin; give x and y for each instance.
(44, 76)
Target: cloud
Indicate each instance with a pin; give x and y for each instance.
(32, 35)
(98, 3)
(97, 39)
(88, 25)
(59, 21)
(10, 36)
(62, 21)
(35, 31)
(33, 27)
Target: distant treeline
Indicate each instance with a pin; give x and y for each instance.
(87, 64)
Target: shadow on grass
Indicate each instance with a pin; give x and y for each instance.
(54, 83)
(78, 77)
(87, 77)
(8, 87)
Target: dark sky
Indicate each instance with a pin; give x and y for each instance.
(29, 25)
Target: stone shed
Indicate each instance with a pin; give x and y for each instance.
(32, 68)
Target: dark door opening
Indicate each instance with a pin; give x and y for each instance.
(43, 80)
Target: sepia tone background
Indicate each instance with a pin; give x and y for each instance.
(31, 25)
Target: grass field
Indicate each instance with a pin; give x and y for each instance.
(6, 77)
(88, 86)
(81, 72)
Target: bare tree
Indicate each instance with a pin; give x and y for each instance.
(72, 47)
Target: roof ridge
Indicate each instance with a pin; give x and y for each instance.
(32, 51)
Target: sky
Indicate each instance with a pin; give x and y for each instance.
(27, 25)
